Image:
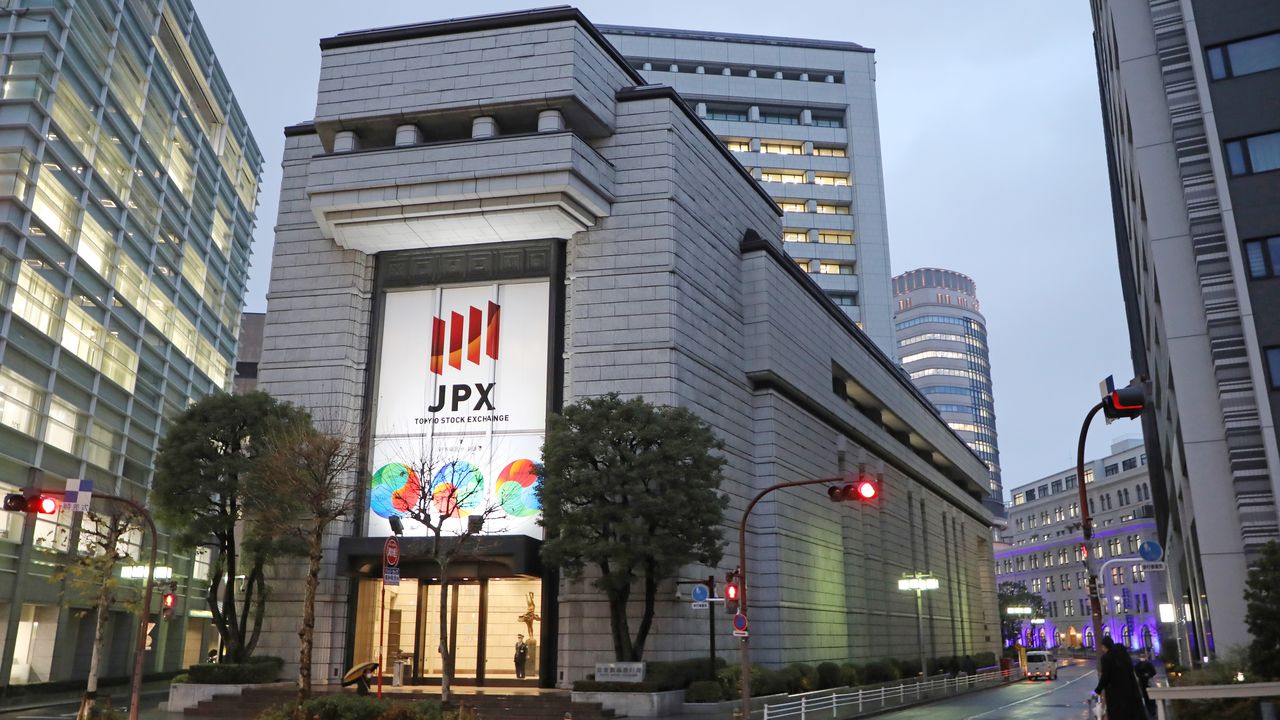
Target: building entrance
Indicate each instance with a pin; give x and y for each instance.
(485, 620)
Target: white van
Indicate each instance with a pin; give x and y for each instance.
(1041, 664)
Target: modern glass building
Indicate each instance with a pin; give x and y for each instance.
(128, 183)
(942, 343)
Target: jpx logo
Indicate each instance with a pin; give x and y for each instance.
(472, 326)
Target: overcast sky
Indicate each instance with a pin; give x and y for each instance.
(993, 155)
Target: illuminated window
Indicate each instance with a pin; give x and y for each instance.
(833, 209)
(738, 145)
(933, 336)
(54, 203)
(64, 426)
(791, 206)
(835, 238)
(795, 236)
(778, 148)
(38, 302)
(803, 263)
(781, 177)
(19, 402)
(946, 354)
(836, 180)
(828, 268)
(830, 151)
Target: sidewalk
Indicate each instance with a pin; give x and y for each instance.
(119, 694)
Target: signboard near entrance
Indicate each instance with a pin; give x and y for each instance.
(625, 672)
(390, 576)
(391, 553)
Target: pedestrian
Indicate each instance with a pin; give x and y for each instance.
(1145, 672)
(522, 654)
(1117, 680)
(213, 656)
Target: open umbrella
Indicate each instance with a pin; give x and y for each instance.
(358, 671)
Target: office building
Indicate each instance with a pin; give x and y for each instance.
(1042, 551)
(128, 183)
(942, 344)
(586, 233)
(801, 115)
(1189, 91)
(249, 352)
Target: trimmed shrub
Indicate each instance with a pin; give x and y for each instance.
(828, 675)
(596, 686)
(879, 671)
(355, 707)
(257, 670)
(180, 678)
(968, 665)
(800, 677)
(850, 675)
(704, 691)
(907, 669)
(679, 674)
(985, 659)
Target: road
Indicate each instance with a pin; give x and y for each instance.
(1061, 699)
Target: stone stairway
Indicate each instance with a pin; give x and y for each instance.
(541, 706)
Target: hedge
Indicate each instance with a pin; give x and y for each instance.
(355, 707)
(704, 691)
(261, 669)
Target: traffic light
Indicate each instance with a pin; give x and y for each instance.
(1125, 402)
(865, 489)
(166, 605)
(731, 593)
(32, 501)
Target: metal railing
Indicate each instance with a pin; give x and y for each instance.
(1164, 695)
(835, 704)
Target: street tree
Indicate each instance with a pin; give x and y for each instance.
(1262, 612)
(1016, 595)
(630, 489)
(444, 494)
(89, 576)
(203, 480)
(303, 483)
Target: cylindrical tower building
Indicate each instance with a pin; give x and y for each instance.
(942, 344)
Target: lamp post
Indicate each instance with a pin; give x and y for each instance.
(919, 582)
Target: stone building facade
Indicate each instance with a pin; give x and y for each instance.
(502, 203)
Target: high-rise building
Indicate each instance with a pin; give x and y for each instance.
(128, 182)
(942, 344)
(1189, 95)
(452, 267)
(801, 116)
(1040, 548)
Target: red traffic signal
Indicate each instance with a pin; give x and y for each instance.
(166, 605)
(865, 489)
(32, 501)
(1125, 402)
(731, 593)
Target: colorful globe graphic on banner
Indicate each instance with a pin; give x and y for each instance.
(517, 489)
(458, 488)
(393, 490)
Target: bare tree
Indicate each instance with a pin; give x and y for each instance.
(446, 496)
(303, 484)
(90, 576)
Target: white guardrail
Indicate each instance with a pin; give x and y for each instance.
(821, 704)
(1164, 695)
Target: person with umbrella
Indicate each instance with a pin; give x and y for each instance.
(361, 675)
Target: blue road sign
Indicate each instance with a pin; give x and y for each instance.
(390, 576)
(740, 622)
(700, 593)
(1151, 551)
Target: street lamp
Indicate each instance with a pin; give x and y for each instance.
(919, 582)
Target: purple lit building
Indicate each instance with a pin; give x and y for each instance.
(1040, 547)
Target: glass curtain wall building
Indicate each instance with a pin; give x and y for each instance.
(942, 343)
(128, 184)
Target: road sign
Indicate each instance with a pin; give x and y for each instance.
(700, 593)
(1151, 551)
(700, 605)
(79, 493)
(740, 624)
(391, 553)
(390, 576)
(1152, 566)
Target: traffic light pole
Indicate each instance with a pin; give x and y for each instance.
(1095, 602)
(135, 690)
(744, 650)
